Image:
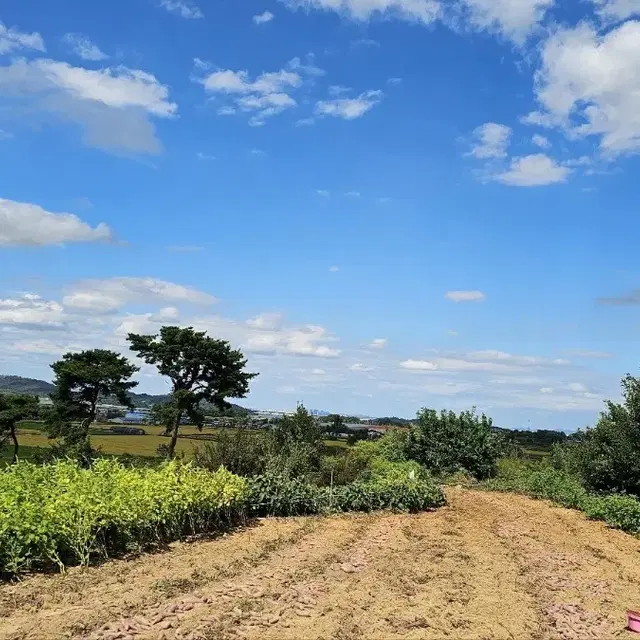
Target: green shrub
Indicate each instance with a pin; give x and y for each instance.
(400, 487)
(542, 480)
(273, 494)
(242, 451)
(62, 514)
(448, 442)
(607, 456)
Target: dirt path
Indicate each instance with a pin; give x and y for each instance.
(488, 566)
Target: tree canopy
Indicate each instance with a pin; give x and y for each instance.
(81, 380)
(199, 367)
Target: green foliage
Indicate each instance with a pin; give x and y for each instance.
(448, 442)
(274, 494)
(63, 514)
(542, 480)
(392, 487)
(242, 451)
(607, 456)
(295, 444)
(81, 380)
(201, 369)
(164, 414)
(13, 409)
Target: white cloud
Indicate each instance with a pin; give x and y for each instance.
(378, 343)
(266, 322)
(204, 156)
(419, 365)
(263, 18)
(83, 47)
(540, 141)
(425, 11)
(323, 193)
(336, 90)
(352, 194)
(25, 224)
(257, 152)
(492, 141)
(32, 311)
(186, 10)
(359, 367)
(515, 19)
(110, 295)
(113, 105)
(349, 108)
(13, 40)
(226, 110)
(617, 10)
(589, 85)
(533, 171)
(267, 95)
(487, 361)
(309, 340)
(334, 269)
(394, 81)
(306, 68)
(465, 296)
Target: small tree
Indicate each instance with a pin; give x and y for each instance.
(296, 444)
(81, 380)
(165, 414)
(200, 369)
(607, 456)
(449, 442)
(13, 409)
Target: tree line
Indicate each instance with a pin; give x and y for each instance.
(199, 368)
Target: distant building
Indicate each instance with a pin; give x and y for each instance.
(135, 417)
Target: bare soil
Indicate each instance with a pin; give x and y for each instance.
(488, 566)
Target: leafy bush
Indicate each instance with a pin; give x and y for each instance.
(401, 487)
(242, 451)
(607, 456)
(62, 514)
(448, 442)
(274, 494)
(541, 480)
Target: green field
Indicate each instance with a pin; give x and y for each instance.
(32, 438)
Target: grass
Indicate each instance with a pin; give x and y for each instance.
(32, 438)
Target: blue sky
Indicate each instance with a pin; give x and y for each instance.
(386, 204)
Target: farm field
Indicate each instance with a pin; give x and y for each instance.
(33, 437)
(488, 566)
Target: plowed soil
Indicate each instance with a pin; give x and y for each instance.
(488, 566)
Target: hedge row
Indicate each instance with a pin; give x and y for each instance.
(61, 514)
(540, 480)
(396, 486)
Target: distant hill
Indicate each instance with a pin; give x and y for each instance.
(18, 384)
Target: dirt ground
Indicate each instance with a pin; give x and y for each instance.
(488, 566)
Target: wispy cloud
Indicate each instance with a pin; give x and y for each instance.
(187, 10)
(263, 18)
(465, 296)
(83, 47)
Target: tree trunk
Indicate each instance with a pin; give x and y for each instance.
(174, 437)
(14, 437)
